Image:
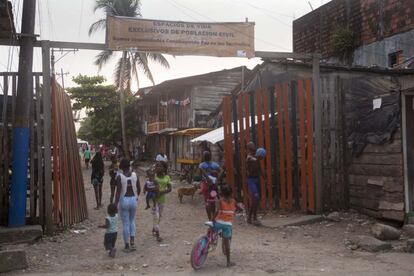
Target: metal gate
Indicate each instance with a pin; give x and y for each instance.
(279, 119)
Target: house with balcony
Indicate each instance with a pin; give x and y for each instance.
(175, 111)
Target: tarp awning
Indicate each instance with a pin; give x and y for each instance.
(217, 135)
(213, 136)
(191, 131)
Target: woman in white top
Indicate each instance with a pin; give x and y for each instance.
(127, 191)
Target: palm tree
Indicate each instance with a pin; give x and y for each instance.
(127, 67)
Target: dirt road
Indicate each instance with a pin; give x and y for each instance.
(308, 250)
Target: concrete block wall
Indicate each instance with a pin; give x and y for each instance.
(370, 20)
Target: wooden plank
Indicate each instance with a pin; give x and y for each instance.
(379, 159)
(242, 147)
(236, 140)
(268, 145)
(364, 202)
(301, 106)
(57, 208)
(228, 142)
(294, 131)
(309, 140)
(247, 115)
(14, 93)
(47, 136)
(274, 149)
(288, 137)
(279, 99)
(394, 147)
(378, 170)
(39, 143)
(4, 194)
(33, 195)
(318, 133)
(247, 139)
(260, 143)
(252, 118)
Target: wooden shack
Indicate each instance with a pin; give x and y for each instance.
(365, 132)
(170, 108)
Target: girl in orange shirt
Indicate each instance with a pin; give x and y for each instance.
(224, 218)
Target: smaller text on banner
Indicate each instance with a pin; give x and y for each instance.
(181, 38)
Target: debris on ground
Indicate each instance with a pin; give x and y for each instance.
(334, 216)
(408, 230)
(410, 246)
(385, 232)
(370, 244)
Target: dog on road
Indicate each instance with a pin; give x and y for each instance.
(187, 191)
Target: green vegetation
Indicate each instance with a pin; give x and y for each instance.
(343, 44)
(101, 102)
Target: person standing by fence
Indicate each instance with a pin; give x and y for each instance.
(98, 170)
(127, 191)
(254, 171)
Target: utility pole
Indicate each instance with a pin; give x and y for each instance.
(122, 105)
(21, 130)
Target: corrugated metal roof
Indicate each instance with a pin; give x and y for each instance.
(7, 29)
(224, 79)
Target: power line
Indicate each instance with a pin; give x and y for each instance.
(266, 12)
(80, 19)
(235, 30)
(183, 12)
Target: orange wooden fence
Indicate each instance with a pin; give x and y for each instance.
(288, 166)
(69, 201)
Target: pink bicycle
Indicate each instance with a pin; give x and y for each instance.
(208, 243)
(204, 245)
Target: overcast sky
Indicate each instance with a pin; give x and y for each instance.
(69, 20)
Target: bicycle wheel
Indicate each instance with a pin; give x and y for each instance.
(199, 252)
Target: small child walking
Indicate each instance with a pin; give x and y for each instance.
(224, 217)
(111, 226)
(151, 189)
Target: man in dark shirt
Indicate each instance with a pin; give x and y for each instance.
(254, 172)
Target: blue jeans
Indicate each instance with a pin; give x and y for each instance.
(128, 209)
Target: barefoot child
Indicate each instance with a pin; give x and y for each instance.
(111, 226)
(151, 188)
(224, 217)
(254, 171)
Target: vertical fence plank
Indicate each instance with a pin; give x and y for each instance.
(301, 103)
(57, 202)
(14, 93)
(243, 177)
(236, 155)
(294, 132)
(268, 145)
(288, 137)
(260, 143)
(252, 118)
(47, 135)
(274, 148)
(279, 100)
(247, 139)
(4, 151)
(247, 117)
(309, 132)
(228, 141)
(40, 156)
(32, 156)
